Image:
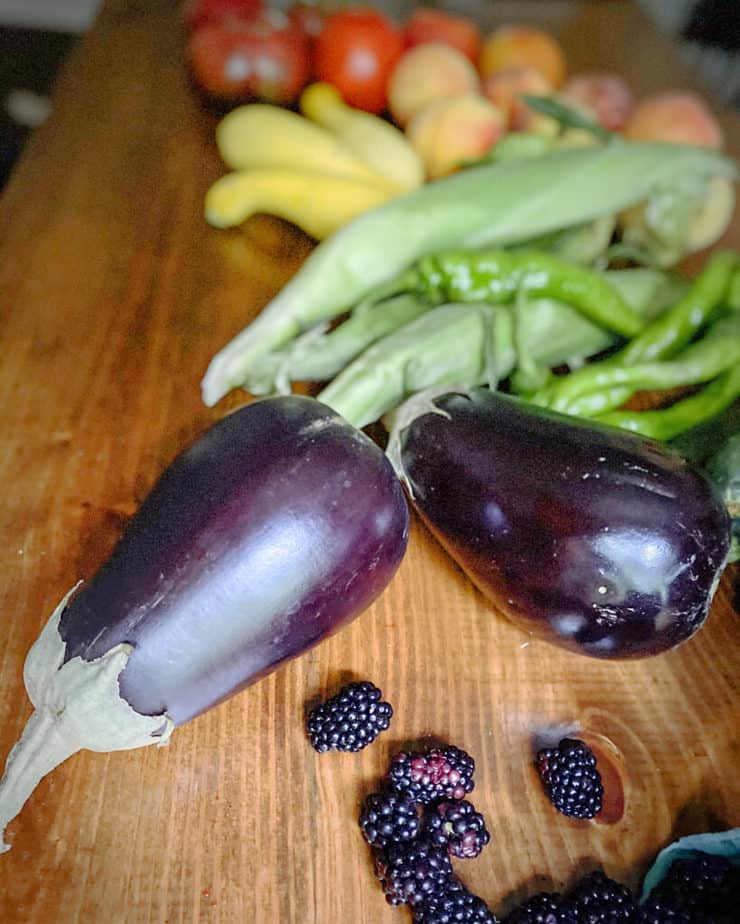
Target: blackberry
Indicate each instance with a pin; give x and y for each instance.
(598, 899)
(350, 720)
(699, 884)
(389, 817)
(453, 904)
(571, 780)
(457, 827)
(544, 908)
(438, 773)
(411, 872)
(657, 911)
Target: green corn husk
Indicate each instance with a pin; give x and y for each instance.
(516, 146)
(495, 204)
(660, 234)
(584, 245)
(478, 343)
(547, 332)
(319, 355)
(453, 344)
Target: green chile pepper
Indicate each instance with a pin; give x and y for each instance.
(661, 339)
(667, 423)
(673, 330)
(499, 277)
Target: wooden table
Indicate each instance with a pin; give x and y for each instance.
(114, 295)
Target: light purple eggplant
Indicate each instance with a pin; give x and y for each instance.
(277, 527)
(595, 539)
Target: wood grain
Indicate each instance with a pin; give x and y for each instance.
(114, 294)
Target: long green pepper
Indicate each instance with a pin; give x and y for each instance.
(500, 277)
(598, 387)
(672, 331)
(718, 350)
(666, 423)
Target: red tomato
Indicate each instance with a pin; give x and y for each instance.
(199, 12)
(429, 25)
(356, 51)
(265, 57)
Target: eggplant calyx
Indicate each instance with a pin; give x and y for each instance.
(405, 414)
(77, 705)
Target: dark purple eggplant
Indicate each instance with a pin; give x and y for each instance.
(595, 539)
(277, 527)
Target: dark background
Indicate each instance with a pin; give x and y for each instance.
(29, 60)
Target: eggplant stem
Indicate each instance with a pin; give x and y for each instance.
(405, 414)
(42, 746)
(78, 704)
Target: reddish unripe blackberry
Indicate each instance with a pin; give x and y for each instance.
(452, 903)
(456, 826)
(544, 908)
(350, 720)
(411, 872)
(389, 817)
(598, 899)
(438, 773)
(570, 778)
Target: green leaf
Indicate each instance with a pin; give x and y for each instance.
(567, 116)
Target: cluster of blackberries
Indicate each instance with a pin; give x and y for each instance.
(420, 818)
(415, 823)
(596, 899)
(700, 889)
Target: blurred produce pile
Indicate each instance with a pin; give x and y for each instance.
(396, 103)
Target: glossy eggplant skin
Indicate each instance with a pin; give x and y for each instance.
(590, 537)
(277, 527)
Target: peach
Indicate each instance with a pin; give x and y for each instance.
(606, 95)
(425, 73)
(522, 45)
(675, 116)
(454, 129)
(426, 24)
(505, 89)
